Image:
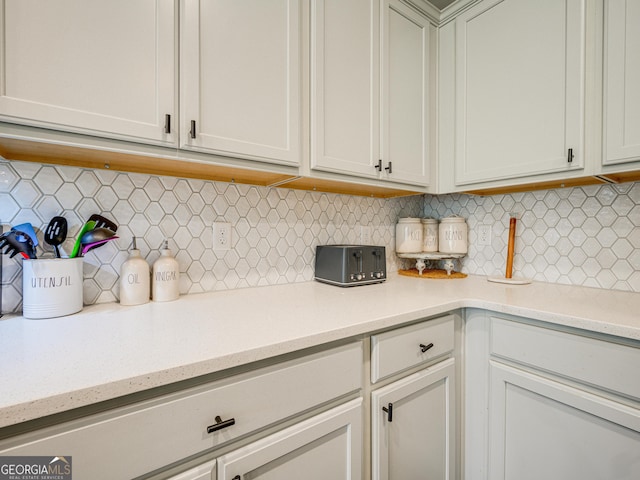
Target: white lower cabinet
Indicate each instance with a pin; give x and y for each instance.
(540, 428)
(412, 419)
(206, 471)
(549, 403)
(327, 446)
(413, 433)
(150, 435)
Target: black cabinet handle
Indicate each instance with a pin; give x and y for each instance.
(379, 166)
(167, 123)
(389, 411)
(192, 132)
(424, 348)
(570, 155)
(220, 424)
(237, 477)
(388, 169)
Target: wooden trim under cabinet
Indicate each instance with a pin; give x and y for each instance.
(96, 158)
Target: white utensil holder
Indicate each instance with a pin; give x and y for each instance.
(51, 287)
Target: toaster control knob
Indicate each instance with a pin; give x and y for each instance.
(359, 276)
(378, 274)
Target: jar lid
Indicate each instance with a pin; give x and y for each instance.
(453, 219)
(429, 220)
(408, 220)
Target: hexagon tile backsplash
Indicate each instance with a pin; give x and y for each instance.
(583, 236)
(274, 231)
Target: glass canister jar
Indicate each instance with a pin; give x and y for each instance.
(452, 236)
(429, 235)
(408, 235)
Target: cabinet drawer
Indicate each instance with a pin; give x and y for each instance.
(152, 434)
(397, 350)
(607, 365)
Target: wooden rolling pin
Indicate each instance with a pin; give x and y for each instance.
(512, 240)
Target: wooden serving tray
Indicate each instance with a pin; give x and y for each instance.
(435, 273)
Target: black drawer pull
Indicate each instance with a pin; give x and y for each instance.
(389, 411)
(424, 348)
(237, 477)
(219, 425)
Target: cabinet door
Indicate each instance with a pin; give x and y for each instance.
(407, 89)
(206, 471)
(418, 441)
(519, 89)
(240, 78)
(104, 68)
(327, 446)
(622, 82)
(543, 429)
(344, 86)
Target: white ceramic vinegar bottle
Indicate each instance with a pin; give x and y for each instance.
(134, 278)
(165, 276)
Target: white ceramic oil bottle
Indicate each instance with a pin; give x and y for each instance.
(134, 278)
(165, 276)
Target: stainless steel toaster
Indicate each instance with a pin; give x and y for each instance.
(350, 265)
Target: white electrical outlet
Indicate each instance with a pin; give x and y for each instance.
(365, 235)
(484, 235)
(221, 236)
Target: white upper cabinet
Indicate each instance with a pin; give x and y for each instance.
(344, 86)
(622, 82)
(371, 86)
(407, 112)
(103, 68)
(240, 78)
(519, 89)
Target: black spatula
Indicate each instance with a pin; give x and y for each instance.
(56, 233)
(103, 222)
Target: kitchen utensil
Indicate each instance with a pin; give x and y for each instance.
(96, 235)
(28, 229)
(508, 277)
(89, 225)
(16, 242)
(56, 233)
(89, 246)
(103, 222)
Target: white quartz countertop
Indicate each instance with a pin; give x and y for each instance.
(106, 351)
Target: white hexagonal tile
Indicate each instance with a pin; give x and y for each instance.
(168, 202)
(48, 180)
(622, 270)
(139, 200)
(606, 237)
(47, 208)
(8, 176)
(106, 198)
(123, 186)
(9, 208)
(25, 193)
